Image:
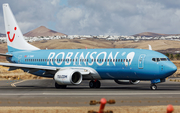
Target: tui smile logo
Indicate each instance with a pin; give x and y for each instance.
(13, 35)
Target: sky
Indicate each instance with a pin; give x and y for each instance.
(96, 17)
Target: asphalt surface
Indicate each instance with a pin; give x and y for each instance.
(43, 93)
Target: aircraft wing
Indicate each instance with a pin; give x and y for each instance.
(48, 68)
(7, 55)
(28, 66)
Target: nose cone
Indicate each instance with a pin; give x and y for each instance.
(171, 69)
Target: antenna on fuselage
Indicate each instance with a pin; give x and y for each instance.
(150, 48)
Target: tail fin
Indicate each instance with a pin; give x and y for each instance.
(15, 39)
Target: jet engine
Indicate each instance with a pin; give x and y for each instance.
(68, 77)
(127, 81)
(134, 81)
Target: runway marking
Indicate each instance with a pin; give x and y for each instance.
(85, 94)
(13, 84)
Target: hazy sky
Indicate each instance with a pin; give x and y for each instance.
(96, 17)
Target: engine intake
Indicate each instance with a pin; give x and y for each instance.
(68, 77)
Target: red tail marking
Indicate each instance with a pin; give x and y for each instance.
(13, 35)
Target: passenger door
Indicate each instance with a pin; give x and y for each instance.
(141, 61)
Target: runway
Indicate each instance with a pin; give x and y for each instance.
(43, 93)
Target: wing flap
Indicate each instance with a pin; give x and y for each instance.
(29, 66)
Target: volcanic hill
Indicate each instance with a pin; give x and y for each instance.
(42, 31)
(150, 34)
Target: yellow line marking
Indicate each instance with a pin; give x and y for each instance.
(13, 84)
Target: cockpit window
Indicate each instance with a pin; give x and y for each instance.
(163, 59)
(160, 59)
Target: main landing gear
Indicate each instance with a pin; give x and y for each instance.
(60, 86)
(94, 84)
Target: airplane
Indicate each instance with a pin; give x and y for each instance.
(71, 66)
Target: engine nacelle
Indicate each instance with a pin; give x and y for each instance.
(68, 77)
(134, 81)
(127, 81)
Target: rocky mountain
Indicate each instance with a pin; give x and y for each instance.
(42, 31)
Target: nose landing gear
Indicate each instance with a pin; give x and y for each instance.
(94, 84)
(153, 87)
(153, 82)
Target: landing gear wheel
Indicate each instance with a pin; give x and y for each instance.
(98, 84)
(153, 87)
(94, 84)
(60, 86)
(91, 84)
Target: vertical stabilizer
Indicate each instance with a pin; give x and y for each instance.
(15, 39)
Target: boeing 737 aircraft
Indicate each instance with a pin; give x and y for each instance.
(71, 66)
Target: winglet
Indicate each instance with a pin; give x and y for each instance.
(150, 48)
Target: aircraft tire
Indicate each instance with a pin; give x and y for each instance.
(60, 86)
(92, 84)
(153, 87)
(98, 84)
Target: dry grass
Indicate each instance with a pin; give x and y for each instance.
(115, 109)
(100, 43)
(97, 43)
(15, 74)
(177, 73)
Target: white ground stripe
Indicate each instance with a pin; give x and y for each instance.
(85, 94)
(107, 94)
(13, 84)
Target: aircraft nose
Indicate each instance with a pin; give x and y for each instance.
(172, 69)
